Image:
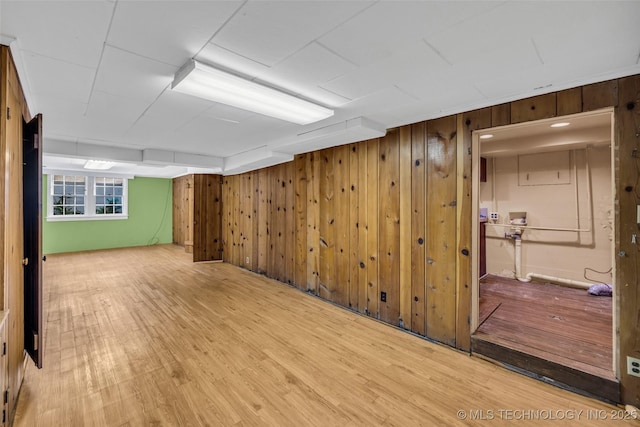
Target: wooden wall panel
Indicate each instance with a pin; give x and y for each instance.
(326, 284)
(534, 108)
(419, 233)
(441, 226)
(341, 224)
(467, 123)
(313, 221)
(569, 102)
(405, 227)
(289, 221)
(627, 167)
(373, 297)
(300, 237)
(361, 225)
(600, 95)
(255, 221)
(263, 220)
(353, 189)
(279, 223)
(501, 115)
(207, 217)
(236, 253)
(389, 227)
(246, 229)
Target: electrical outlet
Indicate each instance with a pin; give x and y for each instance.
(246, 260)
(383, 296)
(494, 216)
(633, 366)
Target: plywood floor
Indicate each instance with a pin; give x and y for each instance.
(564, 325)
(143, 336)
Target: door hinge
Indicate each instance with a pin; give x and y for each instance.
(25, 261)
(6, 396)
(8, 113)
(35, 342)
(4, 415)
(4, 348)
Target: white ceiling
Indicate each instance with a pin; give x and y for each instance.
(100, 71)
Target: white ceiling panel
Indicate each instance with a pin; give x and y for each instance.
(71, 31)
(412, 62)
(314, 64)
(180, 30)
(591, 37)
(383, 28)
(132, 76)
(108, 105)
(177, 108)
(227, 113)
(72, 82)
(270, 31)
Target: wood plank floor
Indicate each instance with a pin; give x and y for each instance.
(564, 325)
(143, 336)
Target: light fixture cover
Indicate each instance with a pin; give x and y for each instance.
(204, 81)
(98, 165)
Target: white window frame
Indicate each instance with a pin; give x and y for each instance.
(89, 198)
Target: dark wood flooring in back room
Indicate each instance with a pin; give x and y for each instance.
(560, 324)
(144, 336)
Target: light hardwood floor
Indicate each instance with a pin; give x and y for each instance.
(143, 336)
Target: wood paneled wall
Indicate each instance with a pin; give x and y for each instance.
(197, 215)
(13, 110)
(393, 215)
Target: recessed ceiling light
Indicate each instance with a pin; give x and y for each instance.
(486, 136)
(560, 124)
(99, 165)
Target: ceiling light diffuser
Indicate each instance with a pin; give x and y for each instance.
(486, 136)
(560, 124)
(101, 165)
(204, 81)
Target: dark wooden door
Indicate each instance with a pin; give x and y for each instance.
(32, 202)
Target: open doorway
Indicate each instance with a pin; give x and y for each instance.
(543, 238)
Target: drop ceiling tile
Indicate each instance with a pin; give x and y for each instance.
(314, 64)
(416, 61)
(270, 31)
(170, 32)
(54, 78)
(177, 108)
(381, 29)
(106, 105)
(71, 31)
(617, 35)
(227, 113)
(385, 99)
(132, 76)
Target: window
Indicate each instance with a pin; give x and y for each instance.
(108, 192)
(68, 195)
(77, 197)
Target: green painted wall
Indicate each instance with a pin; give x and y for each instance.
(149, 222)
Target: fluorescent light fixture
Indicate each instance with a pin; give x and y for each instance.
(560, 124)
(486, 136)
(204, 81)
(101, 165)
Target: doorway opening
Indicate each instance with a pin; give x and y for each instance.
(543, 257)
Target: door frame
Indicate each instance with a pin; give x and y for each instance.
(475, 223)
